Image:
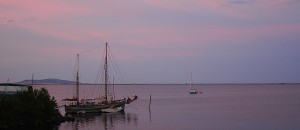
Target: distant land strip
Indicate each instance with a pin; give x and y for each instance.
(53, 81)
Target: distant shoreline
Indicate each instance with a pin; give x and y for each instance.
(176, 84)
(53, 81)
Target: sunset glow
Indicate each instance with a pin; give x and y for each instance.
(155, 41)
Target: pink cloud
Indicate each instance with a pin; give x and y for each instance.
(271, 31)
(48, 13)
(41, 16)
(42, 9)
(169, 4)
(57, 18)
(222, 7)
(196, 6)
(164, 37)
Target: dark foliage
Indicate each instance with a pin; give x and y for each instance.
(30, 109)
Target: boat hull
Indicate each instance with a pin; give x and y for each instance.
(194, 92)
(95, 108)
(113, 109)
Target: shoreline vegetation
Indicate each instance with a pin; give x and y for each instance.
(33, 109)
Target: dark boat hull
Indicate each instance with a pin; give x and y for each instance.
(194, 92)
(92, 108)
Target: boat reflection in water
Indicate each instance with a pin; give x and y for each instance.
(106, 121)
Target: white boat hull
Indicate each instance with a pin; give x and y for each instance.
(111, 110)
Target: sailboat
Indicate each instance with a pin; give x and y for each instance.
(192, 90)
(96, 105)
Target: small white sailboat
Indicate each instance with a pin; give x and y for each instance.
(192, 90)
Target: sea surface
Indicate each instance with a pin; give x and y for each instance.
(220, 107)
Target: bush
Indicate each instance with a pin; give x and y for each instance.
(32, 108)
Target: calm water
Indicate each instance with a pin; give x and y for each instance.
(234, 107)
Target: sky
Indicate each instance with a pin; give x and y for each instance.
(153, 41)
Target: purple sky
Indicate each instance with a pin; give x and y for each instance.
(154, 41)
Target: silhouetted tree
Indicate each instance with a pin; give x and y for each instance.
(31, 109)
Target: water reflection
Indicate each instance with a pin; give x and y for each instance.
(105, 121)
(150, 119)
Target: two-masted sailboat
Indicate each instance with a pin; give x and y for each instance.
(100, 104)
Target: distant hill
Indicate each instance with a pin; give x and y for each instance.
(47, 81)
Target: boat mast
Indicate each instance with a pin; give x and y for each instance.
(105, 72)
(32, 79)
(77, 80)
(114, 88)
(191, 80)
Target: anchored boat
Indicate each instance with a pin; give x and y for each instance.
(192, 90)
(107, 103)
